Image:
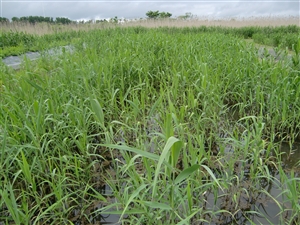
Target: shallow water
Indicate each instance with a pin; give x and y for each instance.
(291, 156)
(15, 62)
(252, 201)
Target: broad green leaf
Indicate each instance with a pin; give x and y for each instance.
(128, 212)
(156, 205)
(98, 111)
(34, 85)
(162, 158)
(11, 203)
(175, 153)
(186, 173)
(148, 155)
(212, 176)
(25, 168)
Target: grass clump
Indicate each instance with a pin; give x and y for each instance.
(17, 43)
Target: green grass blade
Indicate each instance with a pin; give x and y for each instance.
(148, 155)
(212, 176)
(163, 158)
(186, 173)
(25, 168)
(175, 152)
(97, 109)
(133, 195)
(156, 205)
(39, 88)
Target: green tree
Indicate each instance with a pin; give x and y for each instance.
(24, 19)
(165, 15)
(62, 20)
(157, 14)
(15, 19)
(152, 14)
(4, 20)
(32, 19)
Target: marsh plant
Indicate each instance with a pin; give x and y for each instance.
(180, 126)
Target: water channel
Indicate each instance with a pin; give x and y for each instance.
(15, 62)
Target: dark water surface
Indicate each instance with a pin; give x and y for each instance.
(268, 210)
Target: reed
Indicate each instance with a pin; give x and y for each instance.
(149, 114)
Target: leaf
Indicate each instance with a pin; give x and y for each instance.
(163, 158)
(157, 205)
(297, 48)
(11, 203)
(34, 85)
(129, 212)
(187, 220)
(98, 111)
(175, 152)
(25, 168)
(169, 131)
(212, 175)
(186, 173)
(134, 194)
(148, 155)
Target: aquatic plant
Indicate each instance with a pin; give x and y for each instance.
(179, 127)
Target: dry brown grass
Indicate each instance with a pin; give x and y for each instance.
(233, 22)
(44, 28)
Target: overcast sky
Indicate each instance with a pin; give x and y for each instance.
(93, 9)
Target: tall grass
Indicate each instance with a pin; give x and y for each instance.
(17, 38)
(148, 113)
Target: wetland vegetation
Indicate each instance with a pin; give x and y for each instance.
(155, 125)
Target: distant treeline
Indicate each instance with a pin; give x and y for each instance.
(57, 20)
(37, 19)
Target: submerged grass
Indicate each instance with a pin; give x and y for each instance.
(149, 112)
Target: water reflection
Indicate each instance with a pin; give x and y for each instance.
(291, 156)
(16, 61)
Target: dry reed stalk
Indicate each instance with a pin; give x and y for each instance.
(44, 28)
(231, 22)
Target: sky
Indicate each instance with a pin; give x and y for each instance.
(98, 9)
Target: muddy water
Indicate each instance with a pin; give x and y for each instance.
(291, 156)
(267, 209)
(255, 201)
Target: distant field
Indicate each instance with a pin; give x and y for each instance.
(19, 38)
(238, 22)
(43, 28)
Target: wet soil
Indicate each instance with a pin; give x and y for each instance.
(251, 200)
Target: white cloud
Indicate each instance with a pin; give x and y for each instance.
(137, 9)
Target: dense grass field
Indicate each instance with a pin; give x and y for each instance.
(156, 125)
(18, 37)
